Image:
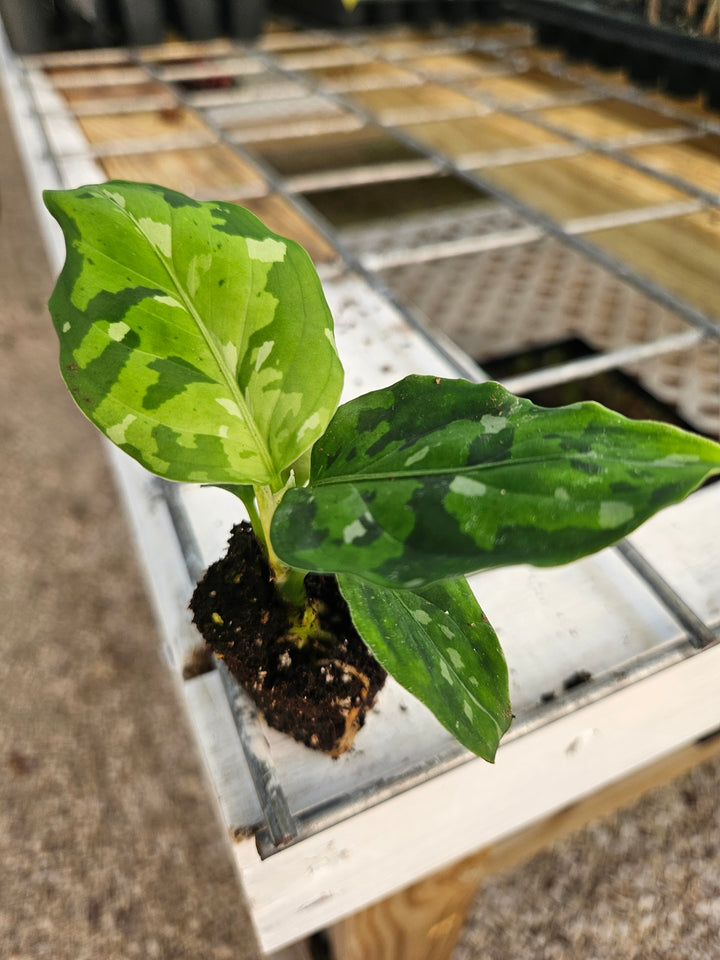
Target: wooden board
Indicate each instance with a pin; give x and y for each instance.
(331, 54)
(696, 160)
(477, 135)
(140, 125)
(335, 151)
(530, 88)
(404, 44)
(609, 119)
(457, 66)
(279, 40)
(94, 98)
(210, 68)
(283, 118)
(680, 253)
(196, 171)
(364, 76)
(426, 102)
(96, 76)
(585, 185)
(359, 205)
(180, 50)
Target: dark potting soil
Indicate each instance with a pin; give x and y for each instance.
(318, 693)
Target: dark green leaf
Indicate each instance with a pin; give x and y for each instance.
(430, 479)
(196, 339)
(438, 645)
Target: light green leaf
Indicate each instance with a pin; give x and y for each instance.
(430, 479)
(196, 339)
(439, 646)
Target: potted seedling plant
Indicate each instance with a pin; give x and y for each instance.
(201, 344)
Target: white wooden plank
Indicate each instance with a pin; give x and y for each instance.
(595, 615)
(79, 170)
(156, 542)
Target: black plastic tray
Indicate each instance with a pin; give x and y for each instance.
(678, 61)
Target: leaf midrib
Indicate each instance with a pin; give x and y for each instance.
(227, 376)
(389, 476)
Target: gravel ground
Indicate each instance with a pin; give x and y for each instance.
(643, 884)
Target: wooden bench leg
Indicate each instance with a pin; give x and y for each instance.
(422, 922)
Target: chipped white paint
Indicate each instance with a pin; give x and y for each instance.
(223, 431)
(66, 326)
(562, 494)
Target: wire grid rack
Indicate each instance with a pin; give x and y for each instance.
(492, 195)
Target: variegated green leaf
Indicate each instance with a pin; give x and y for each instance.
(429, 479)
(439, 646)
(196, 339)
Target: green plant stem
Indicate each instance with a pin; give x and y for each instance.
(290, 581)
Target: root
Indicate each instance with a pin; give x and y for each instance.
(352, 718)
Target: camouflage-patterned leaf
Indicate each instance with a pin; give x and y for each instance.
(193, 337)
(440, 647)
(430, 479)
